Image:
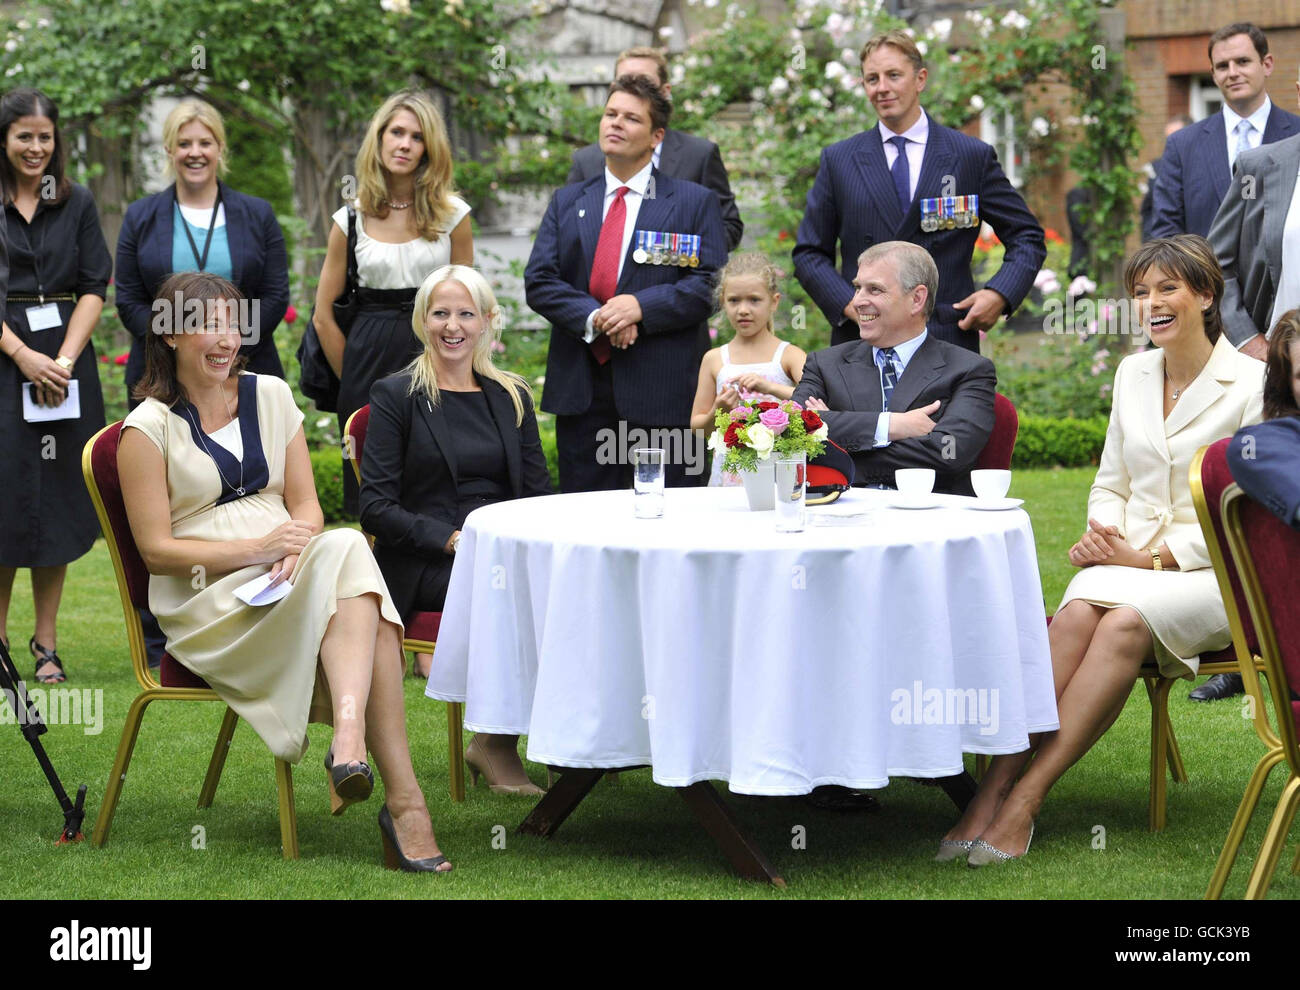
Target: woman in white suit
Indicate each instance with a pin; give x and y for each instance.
(1145, 586)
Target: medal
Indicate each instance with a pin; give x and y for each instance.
(695, 250)
(974, 201)
(683, 258)
(639, 255)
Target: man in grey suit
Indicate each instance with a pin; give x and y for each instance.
(679, 155)
(1247, 239)
(900, 397)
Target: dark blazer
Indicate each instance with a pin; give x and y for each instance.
(681, 156)
(4, 266)
(1247, 236)
(852, 201)
(258, 261)
(1192, 177)
(408, 474)
(847, 379)
(654, 379)
(1271, 473)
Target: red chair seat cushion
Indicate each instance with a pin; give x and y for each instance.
(424, 626)
(173, 674)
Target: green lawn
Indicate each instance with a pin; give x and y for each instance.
(629, 839)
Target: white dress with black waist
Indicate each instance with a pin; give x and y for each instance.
(261, 660)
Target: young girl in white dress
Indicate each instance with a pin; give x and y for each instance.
(755, 359)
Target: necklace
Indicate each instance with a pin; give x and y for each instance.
(239, 492)
(1183, 387)
(400, 206)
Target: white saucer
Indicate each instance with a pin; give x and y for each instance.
(915, 502)
(994, 504)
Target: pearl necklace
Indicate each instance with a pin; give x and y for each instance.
(399, 206)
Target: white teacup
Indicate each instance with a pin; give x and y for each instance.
(990, 485)
(914, 482)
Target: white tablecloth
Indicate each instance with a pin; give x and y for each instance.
(711, 647)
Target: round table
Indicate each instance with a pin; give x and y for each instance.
(880, 641)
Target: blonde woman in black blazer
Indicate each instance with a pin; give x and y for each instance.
(448, 434)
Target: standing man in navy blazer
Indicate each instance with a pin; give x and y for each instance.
(623, 269)
(866, 193)
(680, 155)
(1196, 169)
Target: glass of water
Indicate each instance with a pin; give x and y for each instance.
(791, 478)
(648, 482)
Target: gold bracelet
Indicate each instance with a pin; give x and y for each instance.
(1156, 562)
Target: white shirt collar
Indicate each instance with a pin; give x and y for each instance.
(917, 133)
(1258, 119)
(904, 351)
(637, 184)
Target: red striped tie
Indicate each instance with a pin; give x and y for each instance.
(604, 266)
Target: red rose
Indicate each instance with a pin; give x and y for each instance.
(765, 406)
(120, 359)
(811, 421)
(290, 314)
(732, 437)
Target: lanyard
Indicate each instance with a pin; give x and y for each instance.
(202, 259)
(36, 255)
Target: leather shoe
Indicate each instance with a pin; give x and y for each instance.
(1218, 687)
(833, 797)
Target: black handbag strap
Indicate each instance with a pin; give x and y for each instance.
(352, 281)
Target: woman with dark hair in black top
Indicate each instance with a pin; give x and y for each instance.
(59, 267)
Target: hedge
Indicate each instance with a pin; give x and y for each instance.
(1041, 442)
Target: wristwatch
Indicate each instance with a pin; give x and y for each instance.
(64, 362)
(1156, 563)
(455, 543)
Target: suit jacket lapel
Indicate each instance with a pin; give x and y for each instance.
(1151, 405)
(503, 412)
(1206, 389)
(1215, 131)
(237, 233)
(654, 214)
(861, 379)
(1278, 126)
(160, 247)
(670, 152)
(437, 424)
(588, 210)
(936, 163)
(1279, 187)
(924, 368)
(876, 180)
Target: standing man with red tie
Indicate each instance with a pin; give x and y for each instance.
(622, 269)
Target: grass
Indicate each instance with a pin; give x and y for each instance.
(630, 838)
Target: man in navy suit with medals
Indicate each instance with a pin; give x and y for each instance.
(911, 179)
(622, 269)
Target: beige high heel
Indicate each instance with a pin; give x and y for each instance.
(480, 765)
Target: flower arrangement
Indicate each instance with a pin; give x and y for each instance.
(759, 426)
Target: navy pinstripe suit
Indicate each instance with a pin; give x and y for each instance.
(853, 202)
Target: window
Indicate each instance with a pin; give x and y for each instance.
(1204, 98)
(999, 130)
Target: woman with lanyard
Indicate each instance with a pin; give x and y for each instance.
(409, 223)
(50, 398)
(201, 224)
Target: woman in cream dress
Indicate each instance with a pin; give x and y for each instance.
(218, 490)
(1145, 586)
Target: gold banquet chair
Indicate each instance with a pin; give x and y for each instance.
(1263, 551)
(422, 629)
(174, 682)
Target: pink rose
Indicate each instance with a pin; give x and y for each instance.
(775, 420)
(739, 413)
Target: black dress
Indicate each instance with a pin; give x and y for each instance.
(48, 519)
(481, 479)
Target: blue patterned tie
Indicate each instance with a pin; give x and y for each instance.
(1244, 129)
(885, 357)
(902, 178)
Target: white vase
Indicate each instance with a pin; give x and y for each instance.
(760, 487)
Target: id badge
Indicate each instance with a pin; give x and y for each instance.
(44, 317)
